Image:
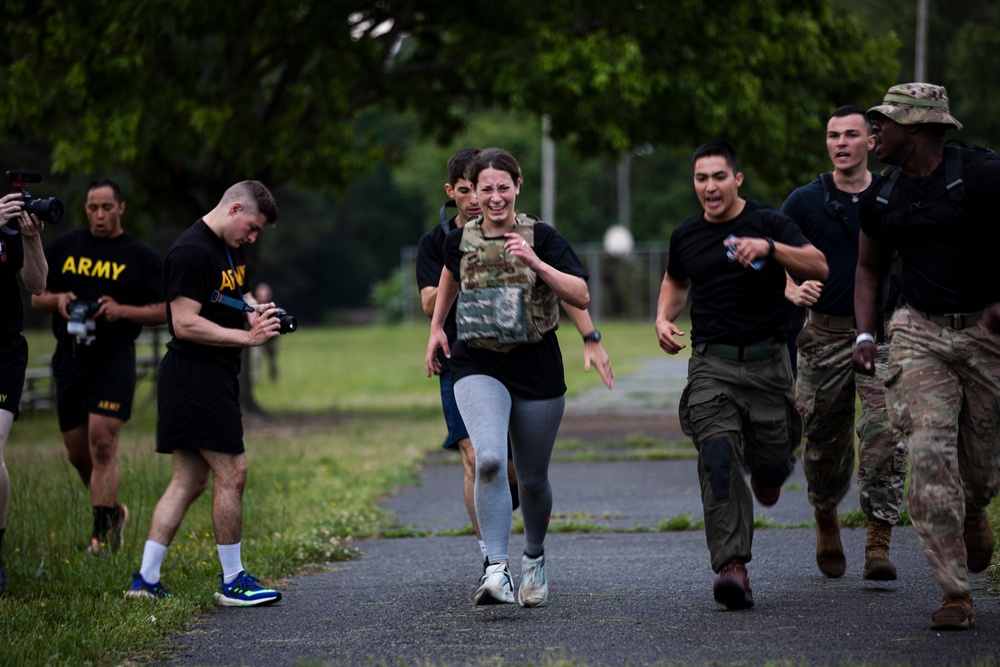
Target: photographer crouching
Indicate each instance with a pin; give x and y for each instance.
(103, 287)
(20, 255)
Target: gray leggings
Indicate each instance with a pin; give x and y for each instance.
(490, 412)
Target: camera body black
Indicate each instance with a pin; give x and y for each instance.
(288, 322)
(48, 210)
(80, 325)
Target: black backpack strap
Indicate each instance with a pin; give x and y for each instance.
(445, 220)
(831, 197)
(882, 198)
(953, 173)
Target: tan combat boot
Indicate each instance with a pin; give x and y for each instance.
(955, 613)
(829, 550)
(878, 567)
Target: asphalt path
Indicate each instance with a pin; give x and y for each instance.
(629, 594)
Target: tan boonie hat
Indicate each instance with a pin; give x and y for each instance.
(916, 104)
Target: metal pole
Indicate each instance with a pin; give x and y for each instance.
(920, 50)
(548, 173)
(625, 191)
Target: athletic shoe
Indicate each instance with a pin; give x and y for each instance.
(245, 591)
(486, 564)
(534, 589)
(495, 587)
(140, 589)
(116, 536)
(3, 578)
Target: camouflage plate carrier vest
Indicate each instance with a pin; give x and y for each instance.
(502, 303)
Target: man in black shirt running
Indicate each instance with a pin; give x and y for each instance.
(737, 407)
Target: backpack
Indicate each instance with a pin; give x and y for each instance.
(953, 166)
(502, 303)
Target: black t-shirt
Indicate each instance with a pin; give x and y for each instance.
(11, 261)
(430, 260)
(124, 268)
(196, 266)
(531, 371)
(947, 251)
(836, 236)
(729, 303)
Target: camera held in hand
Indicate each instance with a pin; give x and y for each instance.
(80, 324)
(288, 322)
(48, 210)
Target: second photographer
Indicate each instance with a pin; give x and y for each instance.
(103, 286)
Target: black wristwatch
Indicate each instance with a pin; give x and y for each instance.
(593, 337)
(770, 246)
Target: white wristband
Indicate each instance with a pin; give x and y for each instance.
(863, 337)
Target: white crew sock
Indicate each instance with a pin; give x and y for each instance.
(232, 562)
(152, 559)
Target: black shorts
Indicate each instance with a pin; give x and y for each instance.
(13, 363)
(97, 381)
(198, 406)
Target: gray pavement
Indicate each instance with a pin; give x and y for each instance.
(621, 597)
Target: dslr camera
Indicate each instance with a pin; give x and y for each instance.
(80, 323)
(48, 210)
(288, 322)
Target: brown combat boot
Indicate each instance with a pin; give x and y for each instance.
(955, 613)
(878, 567)
(979, 541)
(829, 550)
(732, 588)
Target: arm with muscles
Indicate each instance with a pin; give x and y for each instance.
(35, 267)
(873, 262)
(447, 292)
(593, 351)
(569, 288)
(191, 326)
(428, 297)
(804, 295)
(806, 261)
(669, 306)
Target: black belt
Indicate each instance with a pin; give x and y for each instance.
(831, 321)
(755, 352)
(952, 320)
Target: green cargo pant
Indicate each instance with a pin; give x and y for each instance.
(738, 413)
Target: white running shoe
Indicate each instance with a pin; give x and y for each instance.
(534, 589)
(495, 586)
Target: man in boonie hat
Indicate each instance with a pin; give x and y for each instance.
(936, 213)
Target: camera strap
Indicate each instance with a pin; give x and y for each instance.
(238, 304)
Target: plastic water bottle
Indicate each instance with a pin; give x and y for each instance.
(757, 264)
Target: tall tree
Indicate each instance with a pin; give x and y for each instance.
(187, 97)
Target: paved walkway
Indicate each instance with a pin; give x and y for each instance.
(617, 598)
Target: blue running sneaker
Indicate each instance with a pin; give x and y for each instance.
(245, 591)
(140, 589)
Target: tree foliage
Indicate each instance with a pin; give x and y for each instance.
(190, 96)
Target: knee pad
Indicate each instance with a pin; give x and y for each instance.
(717, 461)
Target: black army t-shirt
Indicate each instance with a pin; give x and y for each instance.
(947, 250)
(123, 267)
(196, 266)
(731, 303)
(11, 261)
(430, 260)
(531, 371)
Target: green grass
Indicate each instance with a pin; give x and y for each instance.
(367, 416)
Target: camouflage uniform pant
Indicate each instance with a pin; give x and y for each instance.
(944, 395)
(738, 413)
(824, 396)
